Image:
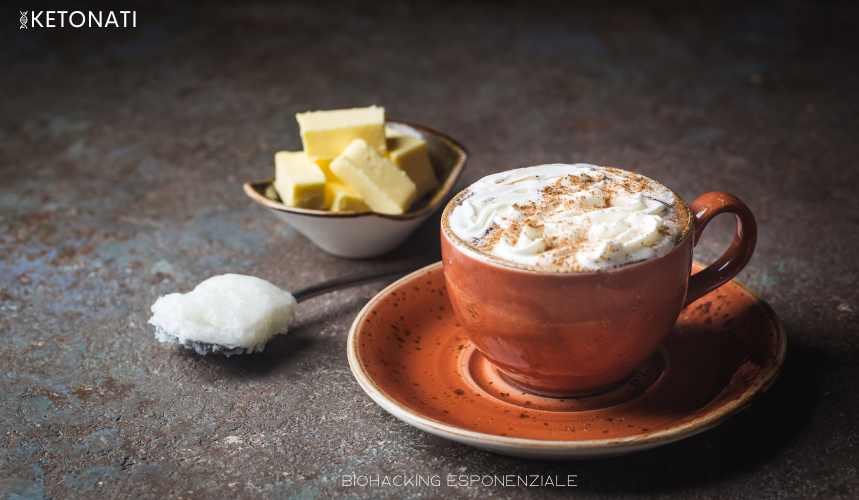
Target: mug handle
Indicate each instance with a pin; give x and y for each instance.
(735, 257)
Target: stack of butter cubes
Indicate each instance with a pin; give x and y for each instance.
(352, 162)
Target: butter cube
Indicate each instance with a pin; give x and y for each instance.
(271, 193)
(392, 132)
(410, 155)
(298, 181)
(385, 188)
(328, 133)
(341, 198)
(324, 163)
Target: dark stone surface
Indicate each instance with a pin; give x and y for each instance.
(122, 153)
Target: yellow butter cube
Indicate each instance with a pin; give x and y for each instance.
(327, 133)
(392, 132)
(410, 155)
(298, 181)
(341, 198)
(384, 187)
(324, 163)
(271, 193)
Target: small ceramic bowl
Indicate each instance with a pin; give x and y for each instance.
(357, 235)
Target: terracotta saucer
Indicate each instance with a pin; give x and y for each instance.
(409, 353)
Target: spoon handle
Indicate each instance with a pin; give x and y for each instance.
(394, 270)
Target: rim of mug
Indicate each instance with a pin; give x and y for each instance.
(460, 245)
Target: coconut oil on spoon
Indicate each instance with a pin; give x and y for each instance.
(234, 314)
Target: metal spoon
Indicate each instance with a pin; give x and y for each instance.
(395, 270)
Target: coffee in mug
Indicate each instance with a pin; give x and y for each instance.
(567, 277)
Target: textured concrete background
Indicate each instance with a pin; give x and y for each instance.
(122, 153)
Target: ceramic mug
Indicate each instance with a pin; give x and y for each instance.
(579, 333)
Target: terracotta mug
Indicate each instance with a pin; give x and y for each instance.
(579, 333)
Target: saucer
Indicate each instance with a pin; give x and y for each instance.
(409, 353)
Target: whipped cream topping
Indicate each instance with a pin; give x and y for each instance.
(576, 217)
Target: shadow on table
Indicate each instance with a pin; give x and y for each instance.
(283, 349)
(738, 445)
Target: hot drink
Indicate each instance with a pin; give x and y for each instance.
(567, 277)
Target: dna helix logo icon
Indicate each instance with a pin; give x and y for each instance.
(23, 19)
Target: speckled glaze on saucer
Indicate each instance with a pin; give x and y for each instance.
(409, 353)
